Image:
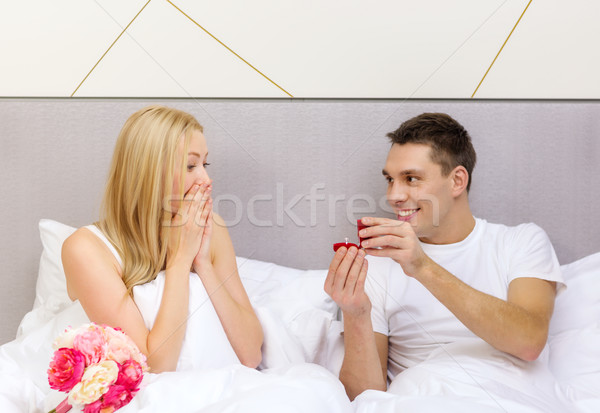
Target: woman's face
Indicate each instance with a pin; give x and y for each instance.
(196, 158)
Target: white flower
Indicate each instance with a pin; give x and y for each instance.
(65, 339)
(96, 380)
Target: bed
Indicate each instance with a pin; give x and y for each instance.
(302, 352)
(282, 265)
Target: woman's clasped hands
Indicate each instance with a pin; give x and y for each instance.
(191, 229)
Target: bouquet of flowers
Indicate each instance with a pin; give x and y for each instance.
(99, 367)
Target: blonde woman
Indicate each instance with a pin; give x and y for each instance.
(157, 216)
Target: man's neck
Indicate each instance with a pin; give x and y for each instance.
(456, 226)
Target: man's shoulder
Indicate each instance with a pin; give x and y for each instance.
(514, 239)
(510, 230)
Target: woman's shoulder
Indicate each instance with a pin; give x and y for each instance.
(86, 247)
(82, 240)
(87, 262)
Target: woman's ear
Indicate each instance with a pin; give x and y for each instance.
(460, 180)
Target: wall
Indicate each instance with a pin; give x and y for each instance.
(537, 161)
(272, 48)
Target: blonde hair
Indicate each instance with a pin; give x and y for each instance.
(135, 213)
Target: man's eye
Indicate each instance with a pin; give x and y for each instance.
(412, 179)
(389, 179)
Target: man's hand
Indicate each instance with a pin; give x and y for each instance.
(345, 282)
(397, 240)
(365, 353)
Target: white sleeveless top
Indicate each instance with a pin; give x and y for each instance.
(205, 344)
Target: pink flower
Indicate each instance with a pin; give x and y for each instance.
(66, 369)
(120, 346)
(99, 367)
(130, 375)
(92, 343)
(115, 398)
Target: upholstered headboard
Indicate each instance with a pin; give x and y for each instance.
(291, 176)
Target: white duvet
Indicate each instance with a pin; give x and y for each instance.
(302, 355)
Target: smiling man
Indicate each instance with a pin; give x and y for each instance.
(438, 277)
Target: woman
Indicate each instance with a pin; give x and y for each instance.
(157, 216)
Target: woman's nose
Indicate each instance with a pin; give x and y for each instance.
(204, 177)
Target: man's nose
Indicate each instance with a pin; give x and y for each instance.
(398, 193)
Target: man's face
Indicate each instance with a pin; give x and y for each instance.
(417, 190)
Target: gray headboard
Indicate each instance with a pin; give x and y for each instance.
(537, 161)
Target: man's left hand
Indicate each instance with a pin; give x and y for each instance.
(397, 240)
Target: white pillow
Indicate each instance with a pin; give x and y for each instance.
(261, 279)
(578, 307)
(574, 356)
(299, 319)
(574, 336)
(51, 288)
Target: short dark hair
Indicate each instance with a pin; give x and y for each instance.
(450, 143)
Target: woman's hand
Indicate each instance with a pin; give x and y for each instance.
(202, 260)
(188, 226)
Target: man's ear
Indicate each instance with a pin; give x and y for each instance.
(460, 180)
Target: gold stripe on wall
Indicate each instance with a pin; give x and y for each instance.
(499, 51)
(228, 48)
(107, 50)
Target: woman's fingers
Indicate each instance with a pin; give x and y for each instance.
(188, 199)
(197, 205)
(206, 221)
(203, 252)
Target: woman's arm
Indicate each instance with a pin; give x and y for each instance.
(94, 278)
(223, 285)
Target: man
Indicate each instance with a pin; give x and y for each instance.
(443, 276)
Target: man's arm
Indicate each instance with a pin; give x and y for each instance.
(518, 326)
(365, 355)
(365, 358)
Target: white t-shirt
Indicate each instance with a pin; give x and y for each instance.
(488, 260)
